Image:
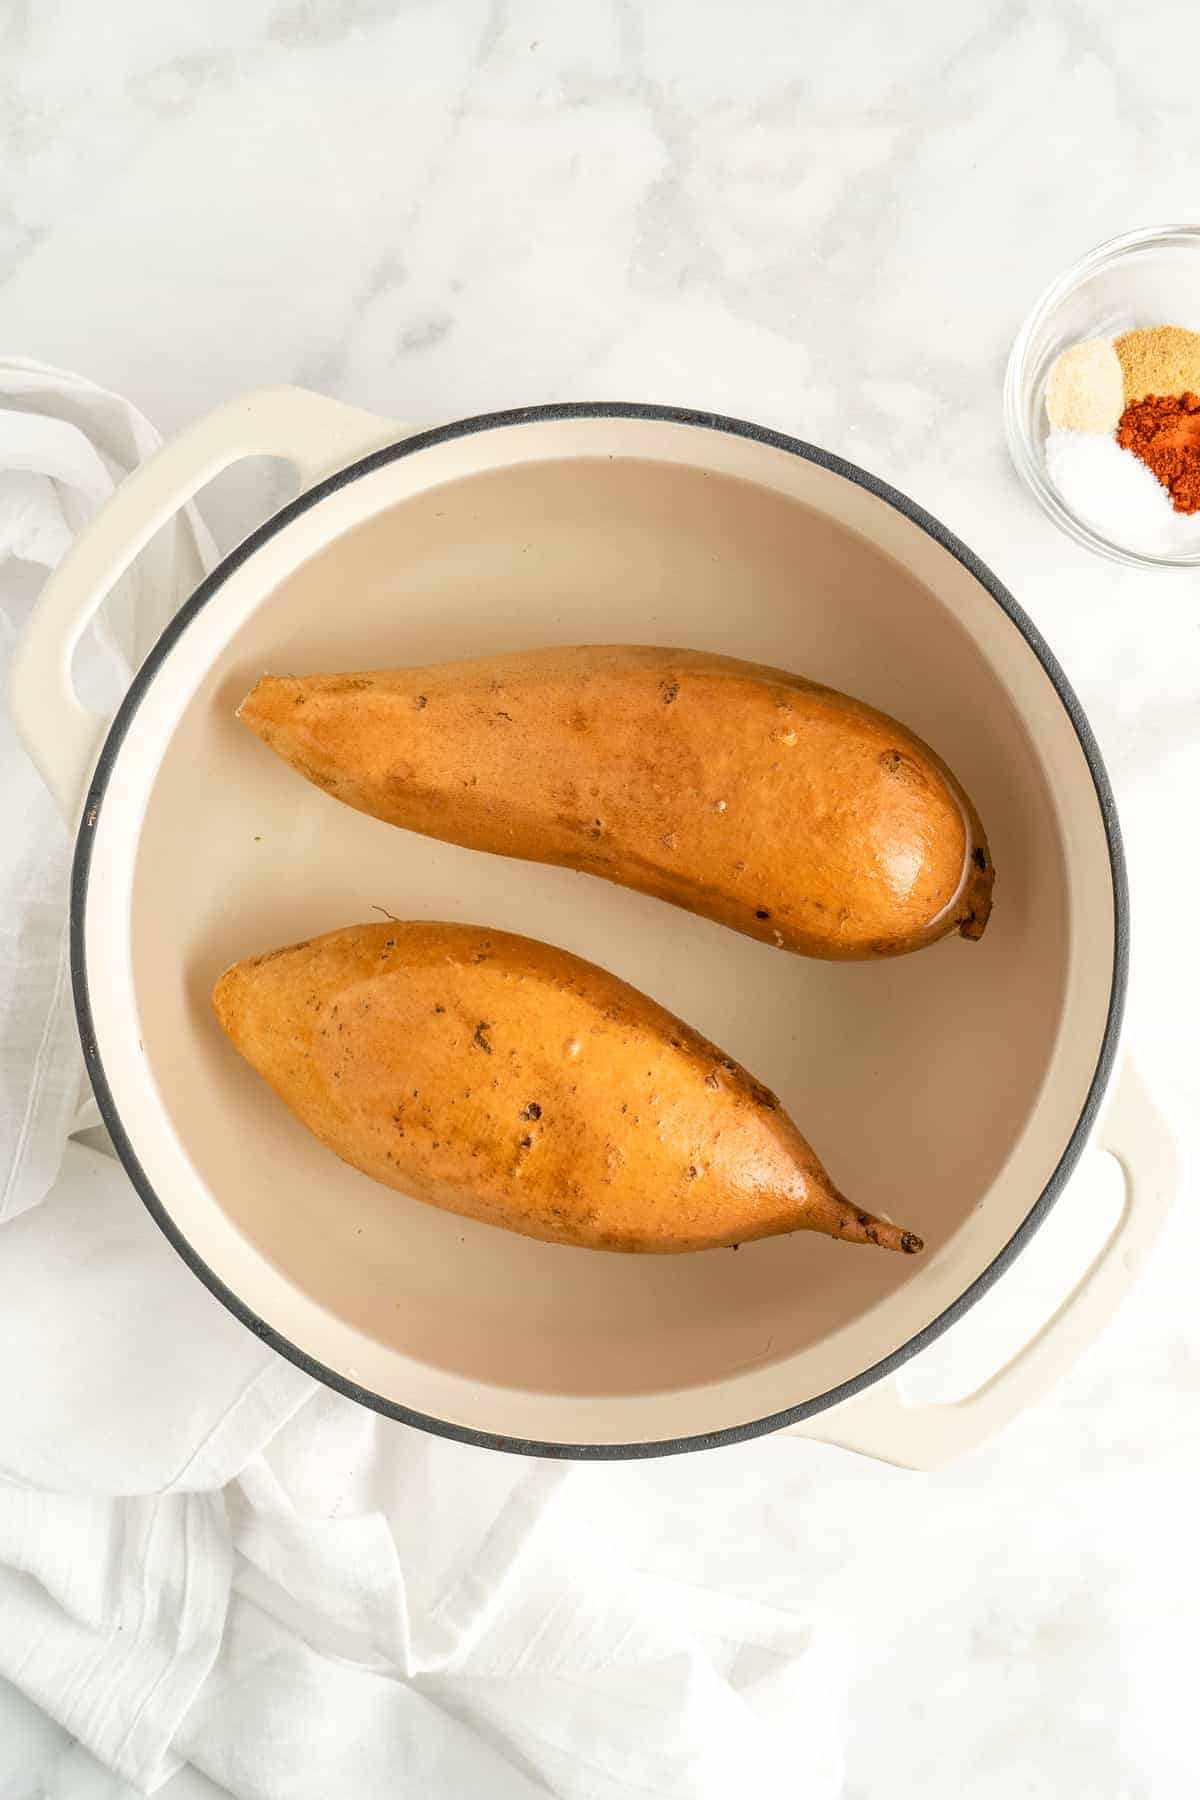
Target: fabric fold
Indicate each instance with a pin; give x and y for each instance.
(216, 1576)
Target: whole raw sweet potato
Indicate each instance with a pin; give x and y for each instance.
(748, 795)
(497, 1077)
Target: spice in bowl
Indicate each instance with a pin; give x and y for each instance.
(1086, 389)
(1164, 360)
(1165, 433)
(1124, 443)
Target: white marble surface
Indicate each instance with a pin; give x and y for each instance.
(830, 220)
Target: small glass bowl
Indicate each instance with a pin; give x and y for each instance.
(1147, 277)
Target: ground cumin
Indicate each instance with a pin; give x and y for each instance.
(1160, 359)
(1164, 430)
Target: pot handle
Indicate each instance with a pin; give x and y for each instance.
(316, 435)
(880, 1422)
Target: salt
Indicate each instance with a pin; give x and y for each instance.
(1114, 491)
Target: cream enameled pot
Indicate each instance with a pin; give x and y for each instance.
(955, 1088)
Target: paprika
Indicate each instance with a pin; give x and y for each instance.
(1164, 431)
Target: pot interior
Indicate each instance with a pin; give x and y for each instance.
(939, 1088)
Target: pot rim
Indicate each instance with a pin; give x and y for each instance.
(411, 446)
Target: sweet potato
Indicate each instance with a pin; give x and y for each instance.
(748, 795)
(497, 1077)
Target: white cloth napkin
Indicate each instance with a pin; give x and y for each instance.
(214, 1572)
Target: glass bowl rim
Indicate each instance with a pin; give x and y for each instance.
(1024, 453)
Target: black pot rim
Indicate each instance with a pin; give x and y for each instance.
(412, 446)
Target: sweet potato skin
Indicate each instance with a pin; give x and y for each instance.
(768, 803)
(503, 1079)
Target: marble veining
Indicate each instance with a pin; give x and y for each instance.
(830, 220)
